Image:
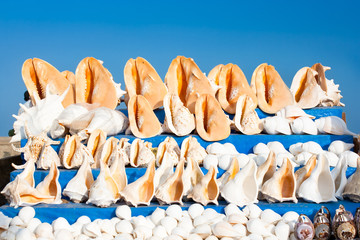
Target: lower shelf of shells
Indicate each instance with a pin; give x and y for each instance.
(192, 222)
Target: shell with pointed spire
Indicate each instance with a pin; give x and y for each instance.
(191, 148)
(230, 173)
(95, 141)
(304, 125)
(282, 185)
(140, 153)
(178, 119)
(72, 152)
(352, 188)
(332, 125)
(142, 79)
(246, 119)
(211, 122)
(168, 149)
(192, 175)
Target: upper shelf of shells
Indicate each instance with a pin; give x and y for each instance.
(63, 102)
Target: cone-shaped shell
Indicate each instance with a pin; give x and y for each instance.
(106, 153)
(266, 170)
(172, 190)
(37, 74)
(319, 187)
(178, 119)
(104, 191)
(143, 121)
(185, 79)
(140, 153)
(50, 186)
(142, 79)
(94, 84)
(352, 188)
(246, 119)
(272, 93)
(191, 148)
(211, 122)
(233, 84)
(338, 174)
(307, 93)
(229, 174)
(304, 173)
(96, 139)
(72, 153)
(281, 187)
(78, 187)
(168, 149)
(207, 190)
(243, 188)
(142, 190)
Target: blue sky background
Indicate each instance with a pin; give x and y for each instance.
(286, 34)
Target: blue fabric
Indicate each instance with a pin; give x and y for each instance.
(72, 211)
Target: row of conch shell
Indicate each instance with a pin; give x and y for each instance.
(22, 191)
(311, 88)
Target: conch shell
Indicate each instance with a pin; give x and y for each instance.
(266, 170)
(72, 152)
(272, 93)
(233, 84)
(214, 74)
(338, 175)
(95, 84)
(307, 93)
(207, 190)
(143, 121)
(304, 173)
(140, 153)
(352, 188)
(142, 79)
(142, 190)
(185, 79)
(106, 153)
(178, 119)
(78, 187)
(246, 119)
(230, 173)
(38, 74)
(191, 148)
(95, 141)
(211, 122)
(243, 188)
(282, 185)
(292, 112)
(168, 149)
(192, 175)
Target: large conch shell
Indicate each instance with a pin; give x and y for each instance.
(338, 175)
(233, 84)
(185, 79)
(272, 93)
(352, 188)
(332, 125)
(106, 153)
(95, 84)
(142, 190)
(307, 93)
(246, 119)
(165, 170)
(78, 187)
(211, 122)
(140, 153)
(172, 190)
(143, 121)
(72, 152)
(319, 187)
(243, 188)
(168, 149)
(282, 185)
(112, 122)
(304, 173)
(39, 75)
(206, 190)
(191, 148)
(104, 191)
(178, 119)
(142, 79)
(95, 141)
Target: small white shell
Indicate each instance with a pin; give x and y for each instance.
(252, 211)
(203, 230)
(169, 223)
(332, 125)
(24, 234)
(233, 209)
(142, 232)
(338, 175)
(157, 215)
(4, 221)
(124, 226)
(195, 210)
(269, 216)
(261, 148)
(33, 224)
(210, 160)
(194, 236)
(44, 230)
(350, 157)
(257, 226)
(183, 233)
(276, 147)
(160, 231)
(312, 147)
(296, 148)
(302, 158)
(26, 214)
(282, 231)
(174, 211)
(91, 230)
(224, 229)
(331, 157)
(63, 234)
(60, 223)
(339, 147)
(304, 125)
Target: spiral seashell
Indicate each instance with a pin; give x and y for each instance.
(304, 229)
(322, 224)
(343, 225)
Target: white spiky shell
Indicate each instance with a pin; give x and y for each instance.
(47, 156)
(332, 96)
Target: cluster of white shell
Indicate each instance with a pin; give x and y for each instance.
(171, 223)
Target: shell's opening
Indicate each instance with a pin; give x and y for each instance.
(176, 189)
(35, 78)
(302, 86)
(52, 185)
(268, 81)
(71, 151)
(287, 185)
(205, 114)
(89, 79)
(212, 188)
(95, 144)
(136, 77)
(325, 189)
(181, 82)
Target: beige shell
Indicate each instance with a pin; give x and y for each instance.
(140, 153)
(304, 173)
(191, 148)
(282, 185)
(230, 173)
(185, 79)
(78, 187)
(178, 119)
(72, 152)
(192, 175)
(70, 76)
(307, 93)
(233, 84)
(292, 112)
(246, 119)
(106, 153)
(165, 170)
(272, 93)
(47, 156)
(142, 190)
(94, 84)
(96, 139)
(211, 122)
(352, 188)
(142, 79)
(172, 190)
(126, 146)
(169, 149)
(266, 170)
(207, 190)
(117, 168)
(143, 121)
(37, 74)
(214, 74)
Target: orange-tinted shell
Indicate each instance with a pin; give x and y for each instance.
(272, 93)
(233, 84)
(143, 121)
(214, 74)
(94, 84)
(185, 79)
(37, 74)
(320, 77)
(211, 122)
(142, 79)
